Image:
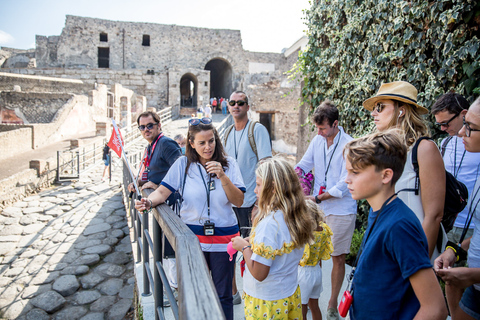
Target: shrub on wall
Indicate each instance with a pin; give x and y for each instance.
(356, 45)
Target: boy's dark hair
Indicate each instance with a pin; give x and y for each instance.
(451, 102)
(325, 111)
(384, 150)
(154, 116)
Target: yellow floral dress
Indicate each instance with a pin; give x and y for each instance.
(272, 298)
(321, 249)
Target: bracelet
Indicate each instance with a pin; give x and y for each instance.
(246, 248)
(454, 250)
(151, 203)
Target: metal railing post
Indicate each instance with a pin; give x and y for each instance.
(58, 165)
(157, 256)
(145, 253)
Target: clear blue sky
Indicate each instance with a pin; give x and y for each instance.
(265, 25)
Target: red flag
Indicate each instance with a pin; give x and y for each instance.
(116, 143)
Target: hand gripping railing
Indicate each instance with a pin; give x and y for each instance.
(197, 295)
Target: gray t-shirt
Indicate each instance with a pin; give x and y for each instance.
(238, 147)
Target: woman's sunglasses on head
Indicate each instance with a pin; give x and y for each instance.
(240, 103)
(196, 121)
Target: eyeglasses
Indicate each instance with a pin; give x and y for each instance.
(446, 124)
(468, 129)
(196, 121)
(149, 126)
(379, 107)
(240, 103)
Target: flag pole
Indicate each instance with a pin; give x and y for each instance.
(125, 158)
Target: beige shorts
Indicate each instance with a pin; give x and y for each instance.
(342, 228)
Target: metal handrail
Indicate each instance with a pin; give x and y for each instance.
(197, 295)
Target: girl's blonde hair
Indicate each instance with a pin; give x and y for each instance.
(411, 125)
(282, 191)
(317, 214)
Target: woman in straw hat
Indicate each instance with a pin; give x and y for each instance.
(395, 106)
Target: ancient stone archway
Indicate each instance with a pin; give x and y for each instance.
(188, 90)
(220, 77)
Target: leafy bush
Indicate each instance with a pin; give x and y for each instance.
(355, 45)
(355, 246)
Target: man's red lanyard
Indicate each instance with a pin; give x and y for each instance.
(148, 157)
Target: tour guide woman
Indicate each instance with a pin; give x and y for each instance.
(210, 183)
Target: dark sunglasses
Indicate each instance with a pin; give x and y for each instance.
(149, 126)
(196, 121)
(379, 107)
(446, 124)
(468, 129)
(240, 103)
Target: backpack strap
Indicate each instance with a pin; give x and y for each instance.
(227, 133)
(415, 163)
(251, 137)
(444, 145)
(415, 167)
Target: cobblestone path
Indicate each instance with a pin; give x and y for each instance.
(66, 253)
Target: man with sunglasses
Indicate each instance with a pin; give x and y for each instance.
(159, 156)
(237, 145)
(449, 111)
(462, 284)
(160, 153)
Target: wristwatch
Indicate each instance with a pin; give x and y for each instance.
(317, 200)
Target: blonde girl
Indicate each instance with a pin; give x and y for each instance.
(309, 268)
(280, 231)
(395, 106)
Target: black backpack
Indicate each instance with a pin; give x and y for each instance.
(456, 193)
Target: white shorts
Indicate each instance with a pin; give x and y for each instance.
(342, 228)
(310, 282)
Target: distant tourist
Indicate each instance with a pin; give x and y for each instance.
(182, 142)
(106, 159)
(208, 111)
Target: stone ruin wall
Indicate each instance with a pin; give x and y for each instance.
(170, 45)
(174, 51)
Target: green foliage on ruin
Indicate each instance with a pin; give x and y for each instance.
(356, 45)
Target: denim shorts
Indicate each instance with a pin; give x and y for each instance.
(470, 303)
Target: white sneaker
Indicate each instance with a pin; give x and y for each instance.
(237, 299)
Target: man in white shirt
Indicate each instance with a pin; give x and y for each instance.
(449, 111)
(325, 155)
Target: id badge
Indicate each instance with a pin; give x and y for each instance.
(211, 185)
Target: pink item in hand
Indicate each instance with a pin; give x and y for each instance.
(230, 250)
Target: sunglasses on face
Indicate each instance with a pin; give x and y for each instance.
(149, 126)
(468, 129)
(446, 124)
(196, 121)
(240, 103)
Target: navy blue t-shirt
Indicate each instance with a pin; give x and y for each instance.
(395, 250)
(164, 155)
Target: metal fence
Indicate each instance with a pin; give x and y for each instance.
(197, 295)
(72, 163)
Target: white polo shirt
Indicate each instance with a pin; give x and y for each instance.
(194, 210)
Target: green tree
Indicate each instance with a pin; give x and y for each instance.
(356, 45)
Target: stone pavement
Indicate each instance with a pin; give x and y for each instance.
(66, 254)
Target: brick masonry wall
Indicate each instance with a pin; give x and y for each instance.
(34, 82)
(34, 107)
(13, 142)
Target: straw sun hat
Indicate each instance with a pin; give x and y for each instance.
(398, 90)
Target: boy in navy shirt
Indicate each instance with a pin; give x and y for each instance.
(394, 278)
